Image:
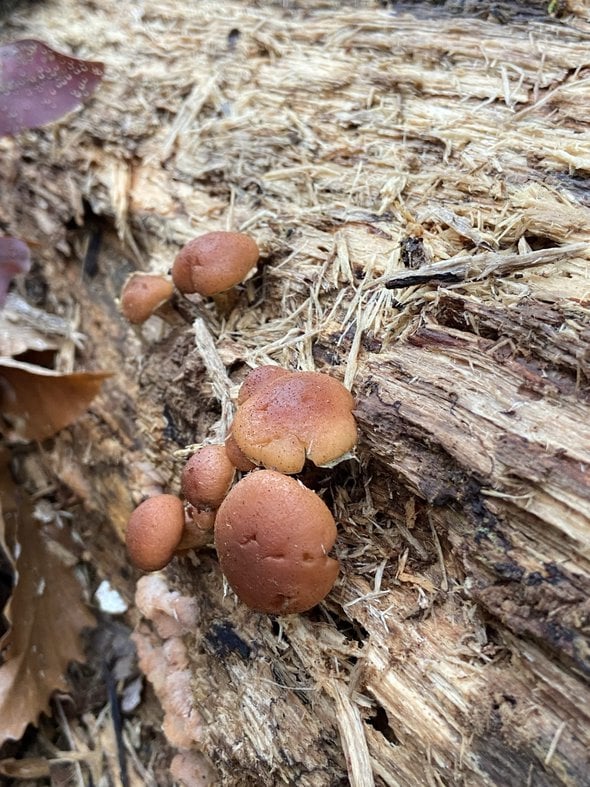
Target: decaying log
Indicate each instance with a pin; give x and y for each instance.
(442, 150)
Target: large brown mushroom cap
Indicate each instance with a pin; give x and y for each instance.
(154, 531)
(207, 476)
(214, 262)
(295, 416)
(272, 536)
(143, 294)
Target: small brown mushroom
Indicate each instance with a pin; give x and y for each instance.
(207, 477)
(214, 262)
(143, 294)
(272, 536)
(294, 417)
(154, 531)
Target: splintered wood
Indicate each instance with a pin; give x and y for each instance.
(416, 177)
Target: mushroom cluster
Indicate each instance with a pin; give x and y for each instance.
(272, 534)
(208, 265)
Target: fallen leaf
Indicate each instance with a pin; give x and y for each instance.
(40, 767)
(39, 85)
(28, 768)
(38, 402)
(45, 615)
(15, 258)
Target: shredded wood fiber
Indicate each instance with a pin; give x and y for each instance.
(442, 150)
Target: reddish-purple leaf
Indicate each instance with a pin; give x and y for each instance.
(38, 85)
(15, 258)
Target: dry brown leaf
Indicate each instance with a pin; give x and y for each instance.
(416, 579)
(45, 612)
(39, 402)
(29, 768)
(41, 767)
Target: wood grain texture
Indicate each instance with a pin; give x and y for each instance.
(358, 143)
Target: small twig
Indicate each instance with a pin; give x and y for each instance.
(70, 739)
(553, 745)
(412, 540)
(479, 266)
(217, 374)
(444, 582)
(117, 723)
(18, 312)
(145, 773)
(352, 735)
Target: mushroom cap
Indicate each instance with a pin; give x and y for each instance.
(207, 476)
(154, 531)
(143, 294)
(294, 417)
(258, 378)
(214, 262)
(236, 456)
(272, 536)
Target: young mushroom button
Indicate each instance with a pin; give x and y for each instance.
(207, 476)
(143, 294)
(154, 531)
(272, 536)
(214, 262)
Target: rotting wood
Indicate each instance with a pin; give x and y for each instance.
(458, 634)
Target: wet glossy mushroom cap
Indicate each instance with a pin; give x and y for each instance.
(154, 531)
(297, 416)
(214, 262)
(207, 476)
(143, 294)
(272, 537)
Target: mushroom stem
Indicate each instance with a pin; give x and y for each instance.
(198, 530)
(226, 301)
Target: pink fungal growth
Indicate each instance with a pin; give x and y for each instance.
(171, 613)
(164, 660)
(159, 661)
(39, 85)
(191, 769)
(15, 258)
